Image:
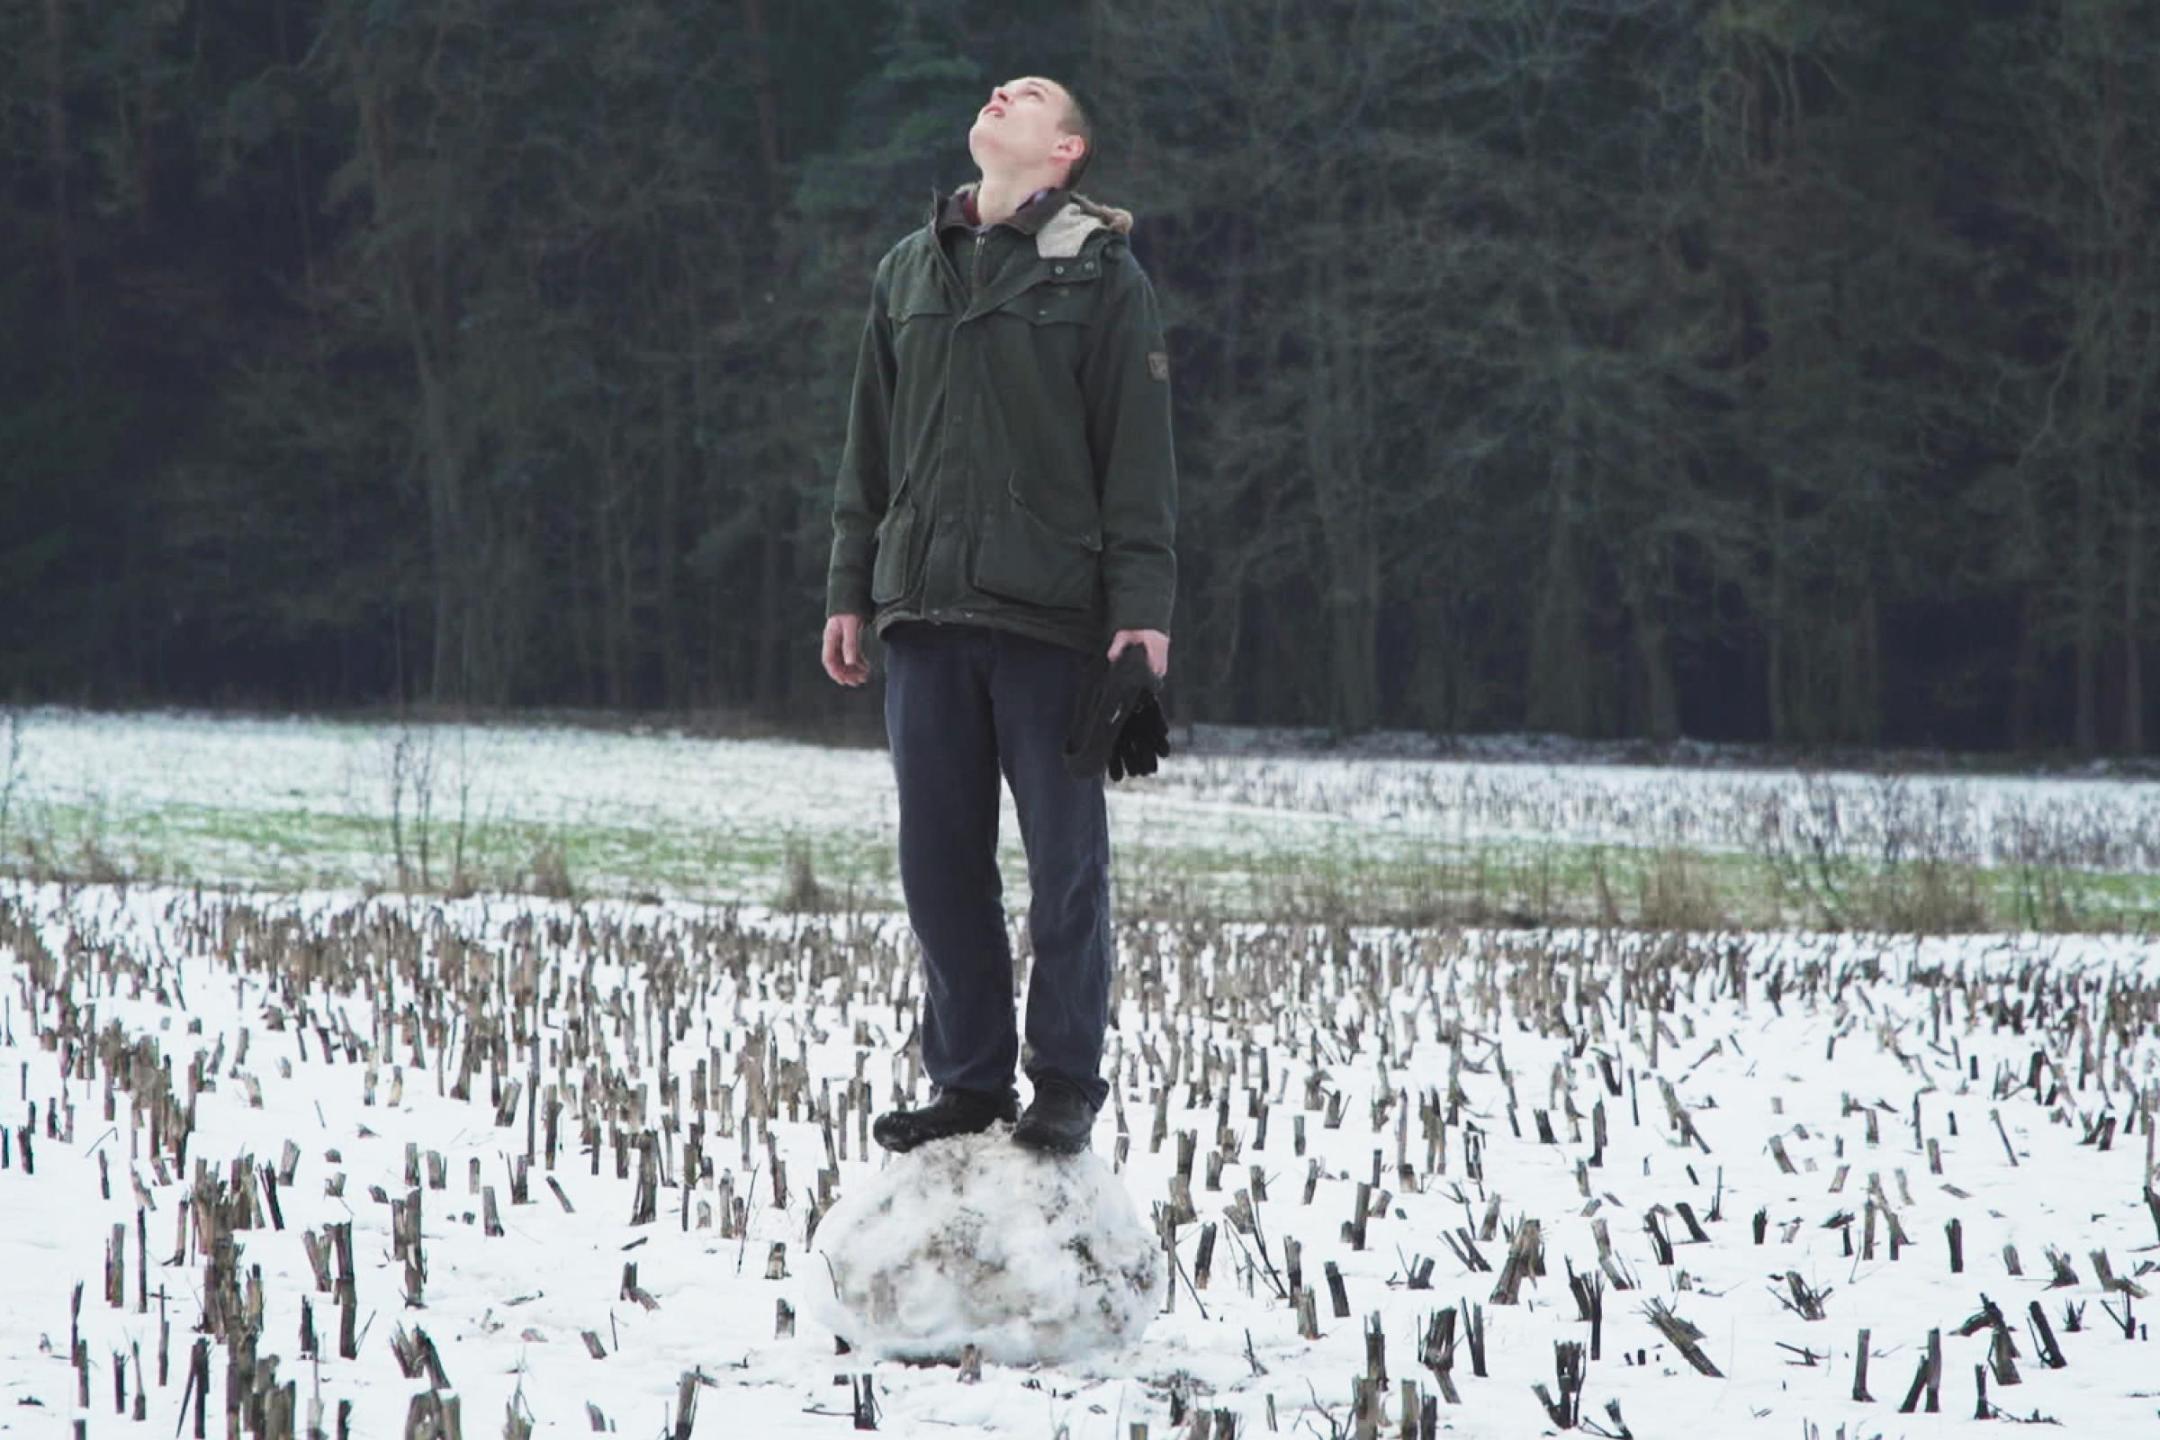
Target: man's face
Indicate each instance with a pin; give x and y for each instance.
(1020, 126)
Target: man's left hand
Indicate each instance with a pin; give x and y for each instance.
(1155, 642)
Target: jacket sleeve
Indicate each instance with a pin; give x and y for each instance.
(1126, 379)
(860, 489)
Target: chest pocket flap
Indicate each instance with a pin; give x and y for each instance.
(916, 290)
(1064, 294)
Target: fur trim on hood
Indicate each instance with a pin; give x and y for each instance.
(1062, 236)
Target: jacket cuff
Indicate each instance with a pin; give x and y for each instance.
(847, 595)
(1140, 612)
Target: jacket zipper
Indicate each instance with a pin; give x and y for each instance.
(974, 287)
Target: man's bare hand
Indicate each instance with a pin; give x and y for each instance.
(843, 650)
(1154, 642)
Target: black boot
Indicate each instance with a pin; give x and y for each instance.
(1058, 1120)
(951, 1112)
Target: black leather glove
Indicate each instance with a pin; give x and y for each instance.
(1144, 739)
(1118, 724)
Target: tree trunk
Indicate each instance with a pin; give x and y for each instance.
(667, 546)
(776, 535)
(1774, 698)
(1350, 571)
(1861, 685)
(1559, 669)
(1217, 693)
(2025, 672)
(449, 551)
(303, 199)
(774, 545)
(608, 544)
(1559, 678)
(2086, 572)
(2133, 636)
(577, 598)
(56, 166)
(1660, 713)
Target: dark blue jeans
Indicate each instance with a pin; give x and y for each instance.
(962, 704)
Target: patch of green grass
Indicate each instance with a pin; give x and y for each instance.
(281, 848)
(1337, 871)
(1559, 883)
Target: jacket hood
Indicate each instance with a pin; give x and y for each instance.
(1065, 232)
(1060, 220)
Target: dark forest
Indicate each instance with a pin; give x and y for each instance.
(1763, 370)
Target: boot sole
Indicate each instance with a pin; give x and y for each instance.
(922, 1140)
(1048, 1144)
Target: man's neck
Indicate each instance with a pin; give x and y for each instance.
(997, 197)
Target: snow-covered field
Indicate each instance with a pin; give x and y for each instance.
(1993, 819)
(297, 804)
(289, 803)
(1376, 1137)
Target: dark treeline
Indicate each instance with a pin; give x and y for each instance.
(1760, 369)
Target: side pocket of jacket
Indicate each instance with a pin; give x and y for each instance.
(889, 573)
(1022, 556)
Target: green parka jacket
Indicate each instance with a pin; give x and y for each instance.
(1008, 459)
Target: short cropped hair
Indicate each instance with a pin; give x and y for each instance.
(1077, 122)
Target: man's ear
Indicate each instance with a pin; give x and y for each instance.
(1068, 148)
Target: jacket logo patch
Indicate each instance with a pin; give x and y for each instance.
(1158, 364)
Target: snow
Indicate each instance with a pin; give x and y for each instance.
(301, 803)
(974, 1240)
(1302, 1063)
(210, 797)
(1985, 819)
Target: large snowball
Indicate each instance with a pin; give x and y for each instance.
(1030, 1257)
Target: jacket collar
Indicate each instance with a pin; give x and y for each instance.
(1060, 220)
(948, 211)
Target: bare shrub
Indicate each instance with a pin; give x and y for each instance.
(801, 893)
(1677, 894)
(95, 864)
(548, 871)
(414, 770)
(10, 773)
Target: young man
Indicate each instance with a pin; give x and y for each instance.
(1004, 513)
